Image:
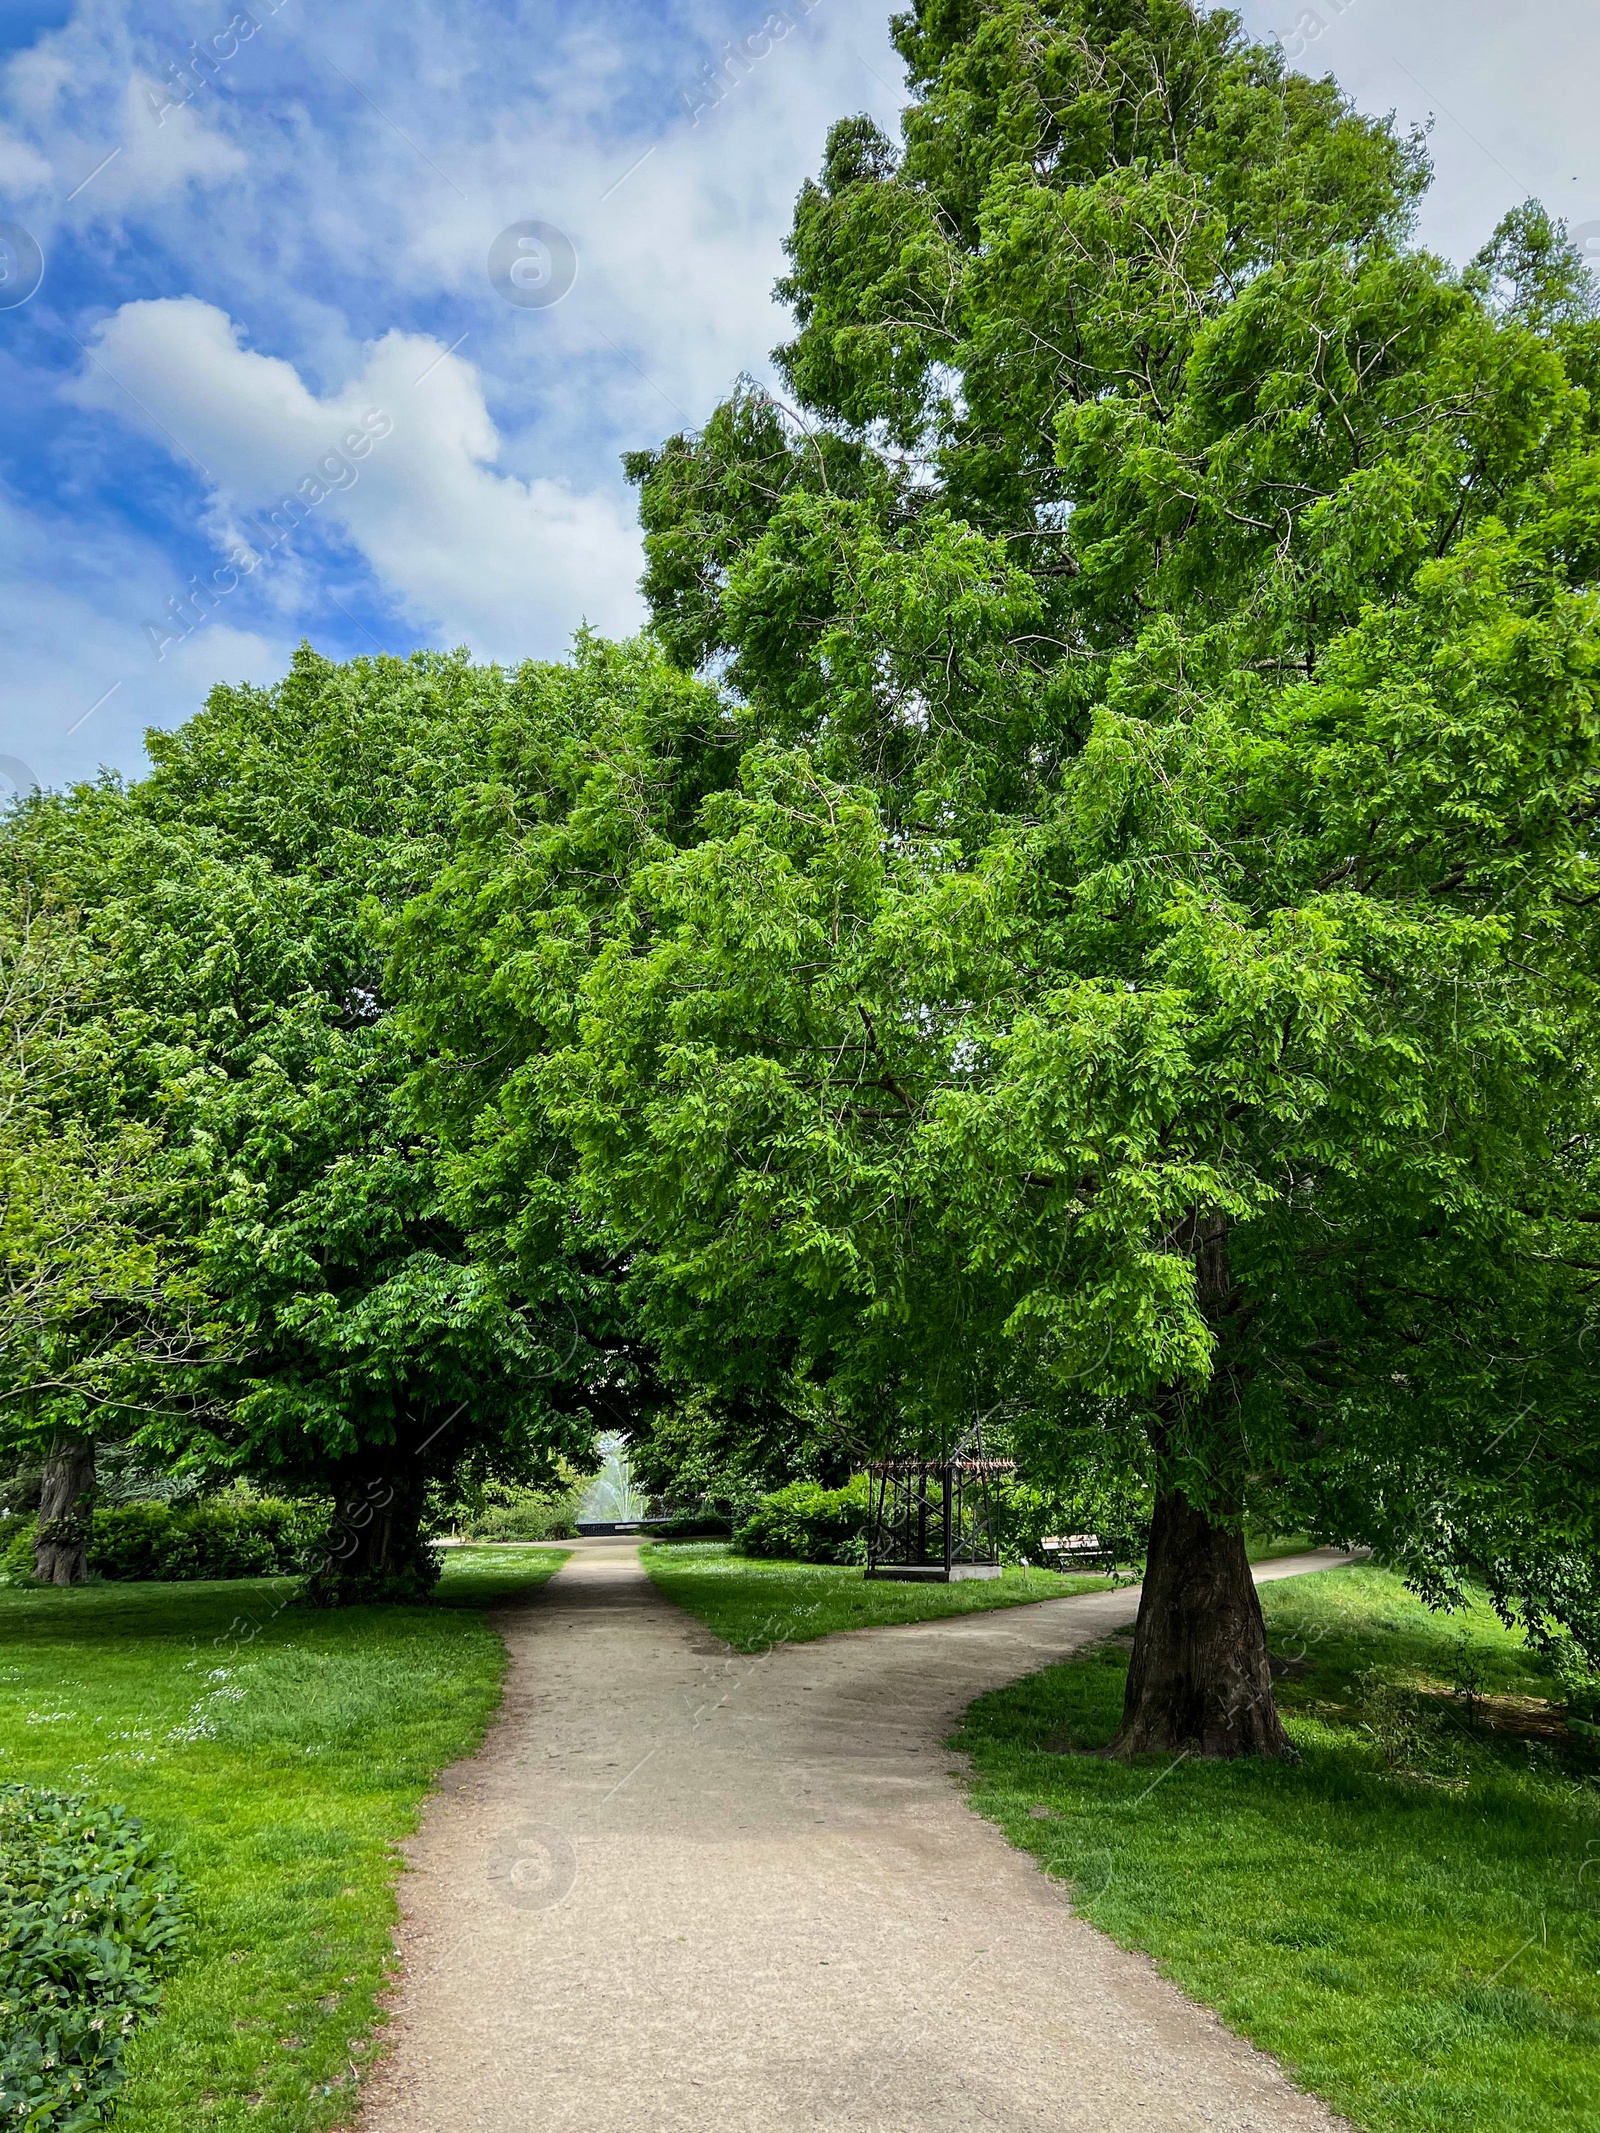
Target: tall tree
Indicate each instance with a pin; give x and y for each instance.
(1143, 974)
(240, 897)
(604, 765)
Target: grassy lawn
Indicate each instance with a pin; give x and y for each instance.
(1409, 1917)
(753, 1604)
(279, 1754)
(1269, 1548)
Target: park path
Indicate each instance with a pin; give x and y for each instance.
(683, 1888)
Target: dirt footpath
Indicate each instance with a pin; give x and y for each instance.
(681, 1888)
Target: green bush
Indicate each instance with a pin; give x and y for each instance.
(807, 1524)
(1027, 1515)
(1578, 1687)
(16, 1549)
(208, 1540)
(89, 1918)
(535, 1520)
(221, 1539)
(695, 1525)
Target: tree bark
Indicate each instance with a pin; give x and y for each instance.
(61, 1539)
(1199, 1678)
(375, 1549)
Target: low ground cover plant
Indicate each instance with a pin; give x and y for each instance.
(1407, 1915)
(90, 1919)
(754, 1604)
(278, 1753)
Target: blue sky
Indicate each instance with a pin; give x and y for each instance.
(273, 278)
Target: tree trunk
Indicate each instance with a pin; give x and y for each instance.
(61, 1540)
(375, 1548)
(1199, 1678)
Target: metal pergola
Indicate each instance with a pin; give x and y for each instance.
(933, 1520)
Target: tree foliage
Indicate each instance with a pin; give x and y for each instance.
(90, 1296)
(1082, 911)
(1140, 979)
(236, 906)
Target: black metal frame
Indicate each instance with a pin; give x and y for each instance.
(933, 1519)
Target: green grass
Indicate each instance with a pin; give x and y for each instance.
(1268, 1548)
(1408, 1917)
(279, 1753)
(753, 1604)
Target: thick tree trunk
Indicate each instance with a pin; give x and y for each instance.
(61, 1540)
(1199, 1678)
(375, 1549)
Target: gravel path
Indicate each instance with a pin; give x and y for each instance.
(682, 1888)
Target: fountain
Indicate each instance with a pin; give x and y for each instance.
(611, 1500)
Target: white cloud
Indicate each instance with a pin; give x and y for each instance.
(79, 683)
(340, 220)
(22, 169)
(1509, 91)
(86, 114)
(506, 564)
(678, 227)
(166, 146)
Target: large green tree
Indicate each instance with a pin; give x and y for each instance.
(240, 896)
(1141, 978)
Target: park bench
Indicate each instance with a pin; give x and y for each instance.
(1079, 1551)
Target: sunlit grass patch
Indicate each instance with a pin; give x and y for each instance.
(278, 1753)
(753, 1603)
(1409, 1916)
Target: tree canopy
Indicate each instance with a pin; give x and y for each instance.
(236, 903)
(1080, 910)
(1139, 979)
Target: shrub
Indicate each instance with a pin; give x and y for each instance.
(536, 1519)
(219, 1539)
(90, 1916)
(695, 1525)
(1578, 1686)
(208, 1540)
(1027, 1515)
(16, 1549)
(815, 1525)
(809, 1524)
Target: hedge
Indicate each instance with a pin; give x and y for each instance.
(1027, 1516)
(531, 1521)
(90, 1916)
(809, 1524)
(815, 1525)
(142, 1541)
